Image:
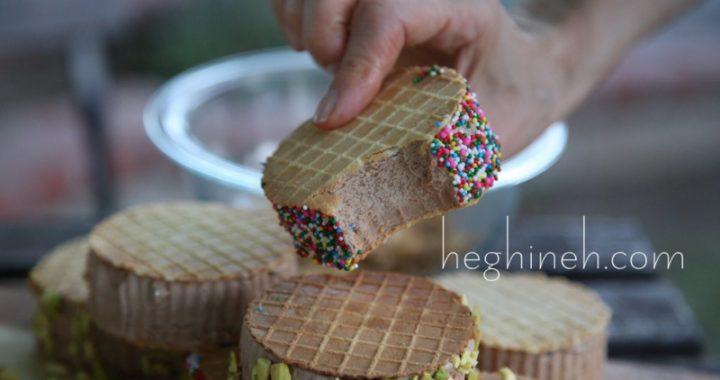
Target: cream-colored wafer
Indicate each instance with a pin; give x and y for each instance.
(180, 275)
(420, 148)
(545, 328)
(72, 347)
(359, 325)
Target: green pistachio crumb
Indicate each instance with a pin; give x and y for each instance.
(233, 371)
(473, 375)
(440, 375)
(51, 301)
(280, 371)
(507, 374)
(261, 370)
(5, 374)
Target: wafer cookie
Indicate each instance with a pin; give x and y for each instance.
(72, 347)
(545, 328)
(422, 147)
(180, 275)
(359, 325)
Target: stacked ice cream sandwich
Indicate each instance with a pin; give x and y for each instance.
(423, 147)
(208, 291)
(363, 325)
(155, 291)
(359, 325)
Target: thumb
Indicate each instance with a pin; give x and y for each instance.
(375, 42)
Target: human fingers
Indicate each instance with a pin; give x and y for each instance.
(375, 41)
(325, 29)
(292, 19)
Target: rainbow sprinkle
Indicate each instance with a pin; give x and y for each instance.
(192, 363)
(468, 149)
(318, 235)
(431, 71)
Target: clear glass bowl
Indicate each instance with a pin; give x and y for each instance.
(220, 121)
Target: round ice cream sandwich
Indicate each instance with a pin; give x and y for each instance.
(358, 325)
(72, 347)
(180, 275)
(544, 328)
(421, 148)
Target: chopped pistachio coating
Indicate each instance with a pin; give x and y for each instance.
(440, 375)
(507, 374)
(51, 301)
(261, 370)
(280, 371)
(233, 368)
(5, 374)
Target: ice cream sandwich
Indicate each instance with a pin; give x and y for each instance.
(358, 325)
(71, 345)
(541, 327)
(180, 275)
(421, 148)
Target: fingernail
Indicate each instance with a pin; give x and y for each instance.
(326, 106)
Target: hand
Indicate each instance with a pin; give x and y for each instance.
(525, 79)
(362, 40)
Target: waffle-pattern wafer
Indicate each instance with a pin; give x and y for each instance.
(191, 241)
(420, 148)
(61, 271)
(400, 114)
(542, 327)
(364, 324)
(180, 275)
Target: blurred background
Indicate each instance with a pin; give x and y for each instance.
(642, 162)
